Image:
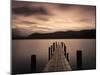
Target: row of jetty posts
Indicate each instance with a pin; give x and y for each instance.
(51, 49)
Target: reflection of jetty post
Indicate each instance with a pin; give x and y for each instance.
(79, 60)
(33, 63)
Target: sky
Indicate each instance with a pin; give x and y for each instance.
(35, 17)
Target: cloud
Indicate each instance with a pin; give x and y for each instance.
(87, 20)
(32, 17)
(30, 11)
(64, 6)
(20, 32)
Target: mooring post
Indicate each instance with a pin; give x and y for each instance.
(33, 63)
(79, 59)
(56, 44)
(53, 47)
(62, 44)
(49, 54)
(51, 51)
(67, 56)
(64, 49)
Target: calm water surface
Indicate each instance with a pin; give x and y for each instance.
(23, 49)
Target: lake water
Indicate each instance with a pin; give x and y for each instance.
(23, 49)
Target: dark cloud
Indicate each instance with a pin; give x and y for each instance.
(89, 8)
(72, 6)
(26, 22)
(19, 32)
(30, 10)
(63, 6)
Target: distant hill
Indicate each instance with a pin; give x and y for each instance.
(83, 34)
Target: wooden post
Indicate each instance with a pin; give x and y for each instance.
(56, 44)
(67, 56)
(65, 50)
(62, 44)
(53, 47)
(79, 59)
(33, 63)
(49, 52)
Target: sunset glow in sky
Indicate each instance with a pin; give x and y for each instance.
(32, 17)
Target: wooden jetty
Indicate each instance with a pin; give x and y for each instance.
(58, 60)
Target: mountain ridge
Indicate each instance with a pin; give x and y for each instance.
(62, 35)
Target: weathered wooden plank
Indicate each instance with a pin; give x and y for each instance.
(58, 62)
